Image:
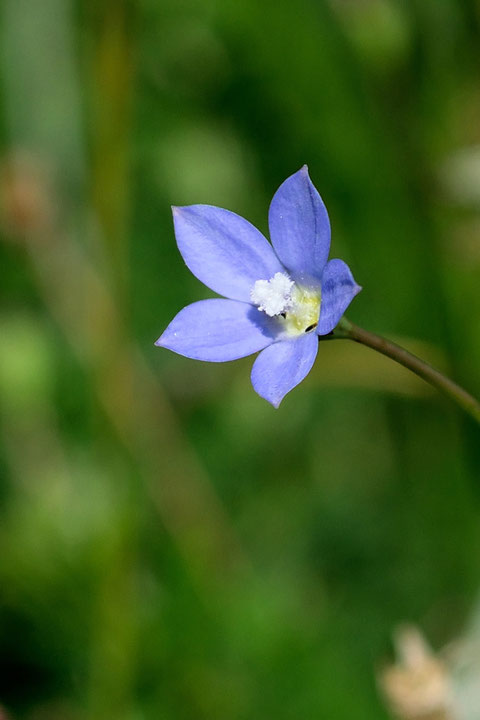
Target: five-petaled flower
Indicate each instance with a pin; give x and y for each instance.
(277, 299)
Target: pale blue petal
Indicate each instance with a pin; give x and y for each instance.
(338, 290)
(218, 330)
(280, 367)
(299, 226)
(223, 250)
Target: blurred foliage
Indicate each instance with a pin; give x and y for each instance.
(170, 546)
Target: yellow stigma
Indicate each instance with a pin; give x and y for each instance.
(302, 316)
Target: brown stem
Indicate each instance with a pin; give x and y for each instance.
(348, 330)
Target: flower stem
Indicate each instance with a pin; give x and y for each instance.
(347, 330)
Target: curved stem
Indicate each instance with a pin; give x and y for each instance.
(346, 329)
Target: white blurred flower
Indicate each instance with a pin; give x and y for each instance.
(418, 685)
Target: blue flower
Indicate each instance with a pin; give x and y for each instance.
(277, 299)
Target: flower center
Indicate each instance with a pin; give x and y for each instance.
(273, 296)
(297, 307)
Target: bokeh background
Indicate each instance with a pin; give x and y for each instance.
(171, 547)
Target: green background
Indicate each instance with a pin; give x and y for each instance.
(171, 547)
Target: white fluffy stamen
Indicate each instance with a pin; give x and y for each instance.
(297, 306)
(273, 296)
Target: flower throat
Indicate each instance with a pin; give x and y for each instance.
(296, 307)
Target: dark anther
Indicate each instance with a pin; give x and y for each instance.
(310, 327)
(284, 315)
